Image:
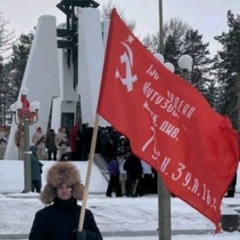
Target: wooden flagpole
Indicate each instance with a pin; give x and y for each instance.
(89, 170)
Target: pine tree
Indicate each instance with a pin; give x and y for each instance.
(191, 43)
(174, 30)
(227, 70)
(2, 93)
(180, 39)
(6, 41)
(19, 59)
(172, 50)
(199, 77)
(11, 75)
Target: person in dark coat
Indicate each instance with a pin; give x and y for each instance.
(59, 221)
(79, 145)
(36, 170)
(133, 168)
(51, 145)
(86, 136)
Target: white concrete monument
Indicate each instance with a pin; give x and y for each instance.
(41, 76)
(50, 79)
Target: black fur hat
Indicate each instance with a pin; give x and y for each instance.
(62, 173)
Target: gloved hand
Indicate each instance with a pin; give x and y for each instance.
(77, 235)
(81, 235)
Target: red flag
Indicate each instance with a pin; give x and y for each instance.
(169, 124)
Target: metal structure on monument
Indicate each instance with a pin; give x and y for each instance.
(26, 114)
(68, 35)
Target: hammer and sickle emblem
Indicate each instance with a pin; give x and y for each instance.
(127, 59)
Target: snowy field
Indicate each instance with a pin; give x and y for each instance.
(17, 209)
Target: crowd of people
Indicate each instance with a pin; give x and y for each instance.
(49, 145)
(75, 144)
(128, 175)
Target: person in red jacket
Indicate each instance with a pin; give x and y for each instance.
(73, 141)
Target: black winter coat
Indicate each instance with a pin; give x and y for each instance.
(60, 222)
(133, 166)
(50, 142)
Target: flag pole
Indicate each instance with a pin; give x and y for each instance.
(89, 170)
(164, 205)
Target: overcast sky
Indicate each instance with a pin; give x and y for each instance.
(209, 17)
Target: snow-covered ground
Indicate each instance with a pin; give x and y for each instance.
(17, 209)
